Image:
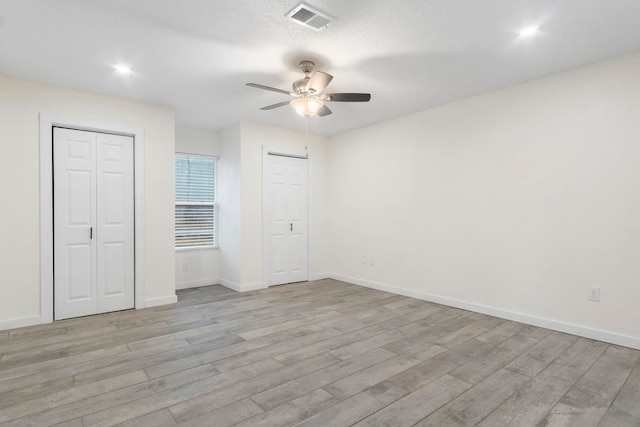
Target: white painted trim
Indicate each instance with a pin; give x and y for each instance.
(322, 276)
(47, 121)
(266, 170)
(197, 283)
(274, 149)
(46, 219)
(154, 302)
(311, 253)
(242, 288)
(20, 322)
(140, 215)
(569, 328)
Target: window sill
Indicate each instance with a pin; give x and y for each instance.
(198, 248)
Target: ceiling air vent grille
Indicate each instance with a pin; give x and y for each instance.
(308, 16)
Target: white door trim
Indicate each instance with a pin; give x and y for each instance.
(47, 122)
(290, 152)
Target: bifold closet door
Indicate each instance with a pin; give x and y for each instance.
(288, 222)
(93, 223)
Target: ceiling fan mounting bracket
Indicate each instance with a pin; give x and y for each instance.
(306, 66)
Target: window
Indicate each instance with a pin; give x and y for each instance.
(196, 207)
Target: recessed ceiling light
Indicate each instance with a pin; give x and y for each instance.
(122, 69)
(529, 31)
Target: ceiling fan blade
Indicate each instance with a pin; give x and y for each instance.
(272, 89)
(347, 97)
(279, 104)
(318, 82)
(324, 111)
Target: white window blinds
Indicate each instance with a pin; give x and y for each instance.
(195, 201)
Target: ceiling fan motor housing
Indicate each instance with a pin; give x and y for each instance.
(307, 92)
(300, 86)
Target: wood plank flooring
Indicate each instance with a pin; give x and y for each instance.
(321, 353)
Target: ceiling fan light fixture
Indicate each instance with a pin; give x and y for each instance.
(307, 107)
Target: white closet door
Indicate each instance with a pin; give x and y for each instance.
(114, 223)
(74, 183)
(288, 248)
(93, 223)
(297, 208)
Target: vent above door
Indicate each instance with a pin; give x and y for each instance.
(310, 17)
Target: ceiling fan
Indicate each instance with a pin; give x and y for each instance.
(309, 99)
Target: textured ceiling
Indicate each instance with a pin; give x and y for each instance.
(196, 55)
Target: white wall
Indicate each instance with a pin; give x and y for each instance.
(197, 141)
(21, 103)
(254, 137)
(512, 203)
(230, 208)
(201, 266)
(241, 205)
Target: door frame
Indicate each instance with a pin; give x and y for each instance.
(47, 123)
(287, 152)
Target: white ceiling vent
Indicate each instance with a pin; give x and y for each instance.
(308, 16)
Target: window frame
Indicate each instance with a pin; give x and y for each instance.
(214, 204)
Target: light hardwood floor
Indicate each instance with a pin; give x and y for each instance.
(321, 353)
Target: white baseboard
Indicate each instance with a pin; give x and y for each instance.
(595, 334)
(241, 288)
(321, 276)
(197, 283)
(153, 302)
(20, 322)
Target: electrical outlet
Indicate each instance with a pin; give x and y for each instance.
(185, 266)
(363, 260)
(594, 293)
(372, 262)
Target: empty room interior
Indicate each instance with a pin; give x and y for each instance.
(328, 213)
